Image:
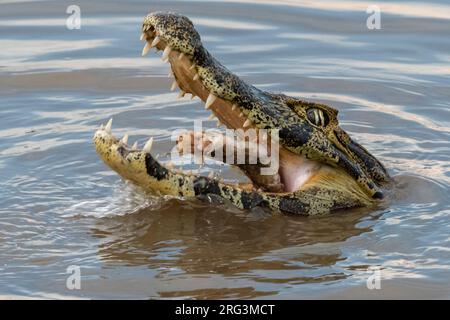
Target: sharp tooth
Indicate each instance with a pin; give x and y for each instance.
(211, 116)
(234, 107)
(247, 123)
(166, 53)
(264, 137)
(192, 96)
(241, 114)
(219, 123)
(108, 126)
(170, 74)
(148, 146)
(174, 85)
(210, 100)
(196, 77)
(155, 41)
(147, 47)
(125, 139)
(181, 94)
(181, 56)
(143, 36)
(135, 146)
(192, 67)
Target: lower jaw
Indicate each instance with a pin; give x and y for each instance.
(326, 188)
(294, 171)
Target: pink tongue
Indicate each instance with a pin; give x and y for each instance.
(295, 173)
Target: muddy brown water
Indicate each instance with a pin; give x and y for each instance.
(60, 206)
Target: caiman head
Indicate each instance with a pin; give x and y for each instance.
(321, 167)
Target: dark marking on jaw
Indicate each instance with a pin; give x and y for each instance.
(180, 182)
(292, 205)
(123, 152)
(154, 169)
(204, 186)
(252, 199)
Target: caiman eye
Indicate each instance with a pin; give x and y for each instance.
(317, 117)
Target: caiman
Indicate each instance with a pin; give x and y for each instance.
(321, 169)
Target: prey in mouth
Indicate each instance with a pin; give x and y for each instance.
(320, 169)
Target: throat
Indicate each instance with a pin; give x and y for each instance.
(295, 171)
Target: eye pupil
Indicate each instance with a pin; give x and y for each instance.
(317, 116)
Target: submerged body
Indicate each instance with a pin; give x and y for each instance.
(321, 168)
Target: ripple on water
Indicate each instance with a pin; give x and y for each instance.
(60, 205)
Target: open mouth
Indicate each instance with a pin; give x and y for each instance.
(319, 166)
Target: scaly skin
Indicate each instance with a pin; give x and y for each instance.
(345, 175)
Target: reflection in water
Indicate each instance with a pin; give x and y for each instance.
(191, 239)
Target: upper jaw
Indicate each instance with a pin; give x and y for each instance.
(197, 72)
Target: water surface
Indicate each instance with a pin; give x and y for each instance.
(61, 206)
